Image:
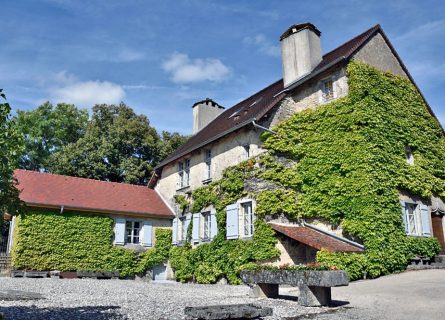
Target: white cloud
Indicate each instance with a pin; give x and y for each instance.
(421, 32)
(182, 69)
(85, 93)
(263, 45)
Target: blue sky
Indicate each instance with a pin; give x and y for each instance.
(162, 56)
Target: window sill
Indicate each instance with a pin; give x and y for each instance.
(183, 189)
(246, 238)
(207, 181)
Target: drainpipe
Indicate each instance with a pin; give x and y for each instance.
(256, 125)
(61, 209)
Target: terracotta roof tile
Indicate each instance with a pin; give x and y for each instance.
(257, 105)
(315, 239)
(52, 190)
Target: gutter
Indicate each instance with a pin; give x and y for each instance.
(309, 76)
(333, 235)
(256, 125)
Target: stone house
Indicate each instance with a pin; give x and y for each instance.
(225, 137)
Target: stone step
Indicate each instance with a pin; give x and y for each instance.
(439, 259)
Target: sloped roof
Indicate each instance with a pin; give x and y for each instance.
(315, 239)
(257, 105)
(53, 191)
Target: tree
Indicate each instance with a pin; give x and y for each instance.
(46, 130)
(10, 148)
(118, 146)
(170, 142)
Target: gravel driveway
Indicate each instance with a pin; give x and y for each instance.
(72, 299)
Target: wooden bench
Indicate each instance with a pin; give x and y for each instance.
(315, 286)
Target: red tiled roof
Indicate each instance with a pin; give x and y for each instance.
(316, 239)
(52, 190)
(257, 105)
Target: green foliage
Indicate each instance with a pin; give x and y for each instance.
(350, 166)
(48, 240)
(46, 130)
(353, 263)
(278, 201)
(159, 253)
(11, 145)
(182, 202)
(207, 262)
(422, 247)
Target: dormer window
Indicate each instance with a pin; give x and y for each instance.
(327, 89)
(184, 173)
(409, 155)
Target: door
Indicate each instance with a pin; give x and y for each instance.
(160, 272)
(437, 221)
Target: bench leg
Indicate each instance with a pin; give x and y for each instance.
(265, 290)
(311, 296)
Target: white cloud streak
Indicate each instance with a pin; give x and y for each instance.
(182, 69)
(263, 45)
(85, 93)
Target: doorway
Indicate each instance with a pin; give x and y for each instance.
(437, 221)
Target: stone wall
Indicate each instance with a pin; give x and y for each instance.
(292, 252)
(378, 54)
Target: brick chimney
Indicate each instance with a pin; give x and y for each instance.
(300, 51)
(204, 112)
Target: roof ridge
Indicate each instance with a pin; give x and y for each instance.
(81, 178)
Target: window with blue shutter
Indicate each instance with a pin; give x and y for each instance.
(175, 231)
(232, 220)
(147, 234)
(119, 231)
(425, 218)
(213, 224)
(195, 230)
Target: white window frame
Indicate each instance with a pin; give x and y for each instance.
(409, 155)
(327, 96)
(130, 232)
(184, 174)
(412, 218)
(247, 219)
(206, 226)
(208, 164)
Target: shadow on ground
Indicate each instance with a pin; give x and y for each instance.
(77, 313)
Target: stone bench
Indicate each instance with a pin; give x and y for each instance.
(230, 311)
(315, 286)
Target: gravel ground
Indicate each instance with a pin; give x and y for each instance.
(86, 299)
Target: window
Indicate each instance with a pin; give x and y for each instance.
(246, 151)
(132, 231)
(183, 231)
(247, 215)
(208, 163)
(409, 155)
(412, 212)
(327, 88)
(184, 173)
(206, 226)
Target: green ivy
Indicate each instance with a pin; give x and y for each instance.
(71, 241)
(350, 166)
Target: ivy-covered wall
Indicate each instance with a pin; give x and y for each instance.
(351, 165)
(344, 163)
(71, 241)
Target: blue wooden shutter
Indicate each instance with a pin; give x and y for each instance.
(147, 234)
(188, 217)
(175, 231)
(195, 231)
(232, 221)
(425, 218)
(119, 231)
(213, 224)
(404, 217)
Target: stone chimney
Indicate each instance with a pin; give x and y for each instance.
(204, 112)
(300, 51)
